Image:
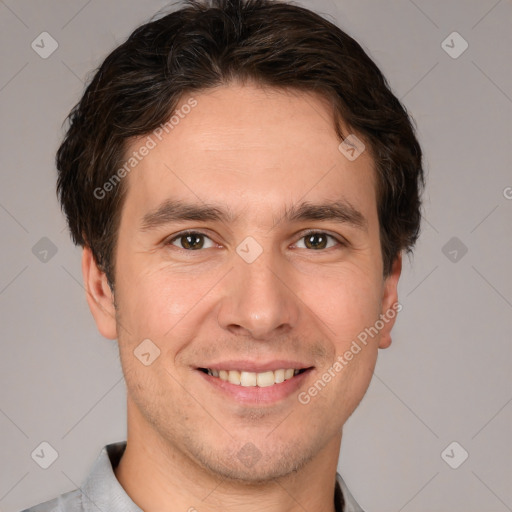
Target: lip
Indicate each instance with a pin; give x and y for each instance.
(255, 395)
(257, 367)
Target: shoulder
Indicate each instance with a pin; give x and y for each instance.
(68, 502)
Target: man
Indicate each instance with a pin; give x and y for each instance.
(243, 184)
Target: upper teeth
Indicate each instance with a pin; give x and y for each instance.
(248, 379)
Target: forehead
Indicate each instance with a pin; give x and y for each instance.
(247, 147)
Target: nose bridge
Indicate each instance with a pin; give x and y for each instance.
(257, 302)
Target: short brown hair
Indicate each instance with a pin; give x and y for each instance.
(210, 43)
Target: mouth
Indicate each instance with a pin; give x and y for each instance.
(273, 383)
(254, 379)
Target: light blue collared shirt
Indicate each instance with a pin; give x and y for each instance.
(101, 491)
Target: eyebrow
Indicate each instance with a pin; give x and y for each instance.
(169, 211)
(176, 211)
(340, 211)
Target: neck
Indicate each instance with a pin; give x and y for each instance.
(158, 476)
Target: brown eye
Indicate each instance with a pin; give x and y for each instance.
(318, 240)
(190, 241)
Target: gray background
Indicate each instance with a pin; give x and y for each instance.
(446, 376)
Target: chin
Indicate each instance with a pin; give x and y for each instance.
(251, 466)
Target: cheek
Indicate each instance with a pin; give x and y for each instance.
(346, 301)
(154, 301)
(342, 392)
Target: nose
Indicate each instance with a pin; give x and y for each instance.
(258, 299)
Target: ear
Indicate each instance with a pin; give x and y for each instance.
(390, 305)
(99, 296)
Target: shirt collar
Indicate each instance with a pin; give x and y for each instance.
(101, 489)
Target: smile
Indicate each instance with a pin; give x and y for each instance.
(254, 379)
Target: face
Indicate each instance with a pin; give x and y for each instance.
(248, 244)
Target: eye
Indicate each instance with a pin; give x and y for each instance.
(318, 240)
(195, 240)
(191, 241)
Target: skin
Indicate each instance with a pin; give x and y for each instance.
(257, 151)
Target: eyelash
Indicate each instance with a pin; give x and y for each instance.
(304, 235)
